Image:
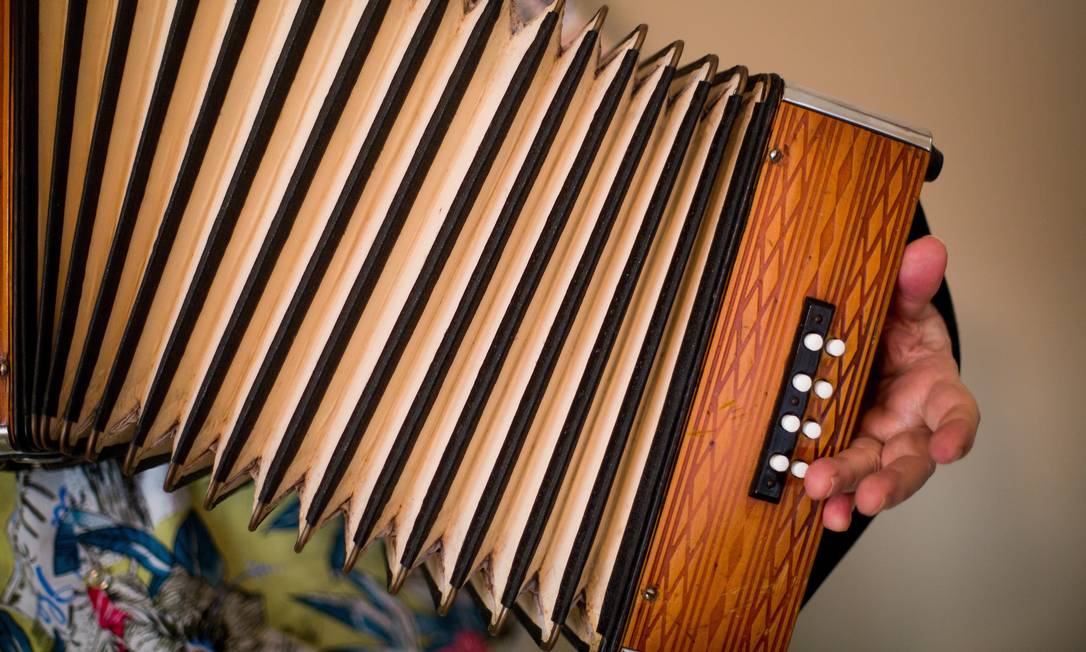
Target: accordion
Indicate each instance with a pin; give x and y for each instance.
(562, 325)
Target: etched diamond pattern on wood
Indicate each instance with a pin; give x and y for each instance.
(828, 221)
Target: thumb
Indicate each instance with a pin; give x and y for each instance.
(922, 269)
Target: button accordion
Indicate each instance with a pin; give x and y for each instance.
(560, 324)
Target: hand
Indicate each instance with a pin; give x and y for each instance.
(922, 414)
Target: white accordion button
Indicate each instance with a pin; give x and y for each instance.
(836, 348)
(790, 423)
(778, 463)
(799, 469)
(813, 341)
(812, 430)
(802, 382)
(823, 389)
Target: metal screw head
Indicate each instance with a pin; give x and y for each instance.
(776, 155)
(651, 594)
(4, 365)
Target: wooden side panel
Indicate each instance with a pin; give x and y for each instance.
(6, 214)
(829, 221)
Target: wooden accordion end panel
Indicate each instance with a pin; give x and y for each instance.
(557, 324)
(736, 537)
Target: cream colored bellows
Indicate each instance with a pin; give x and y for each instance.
(427, 264)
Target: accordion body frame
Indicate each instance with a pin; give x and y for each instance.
(609, 401)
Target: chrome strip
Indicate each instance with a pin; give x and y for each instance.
(9, 454)
(837, 109)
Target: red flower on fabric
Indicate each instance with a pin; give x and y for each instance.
(467, 641)
(110, 617)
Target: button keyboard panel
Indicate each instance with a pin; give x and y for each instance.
(797, 388)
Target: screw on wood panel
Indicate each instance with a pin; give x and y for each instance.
(776, 155)
(4, 365)
(651, 594)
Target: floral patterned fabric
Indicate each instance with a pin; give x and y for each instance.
(93, 560)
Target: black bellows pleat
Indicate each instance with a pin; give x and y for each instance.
(88, 203)
(290, 58)
(135, 189)
(58, 186)
(241, 19)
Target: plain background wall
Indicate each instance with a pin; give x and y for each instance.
(991, 554)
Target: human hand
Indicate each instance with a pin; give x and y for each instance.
(922, 413)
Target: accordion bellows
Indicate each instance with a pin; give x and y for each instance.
(456, 274)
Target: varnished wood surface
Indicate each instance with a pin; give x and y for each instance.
(6, 272)
(829, 221)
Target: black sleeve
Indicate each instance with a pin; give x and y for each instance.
(835, 544)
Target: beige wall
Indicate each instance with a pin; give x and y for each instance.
(991, 555)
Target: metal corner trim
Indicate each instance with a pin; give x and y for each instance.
(9, 454)
(835, 108)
